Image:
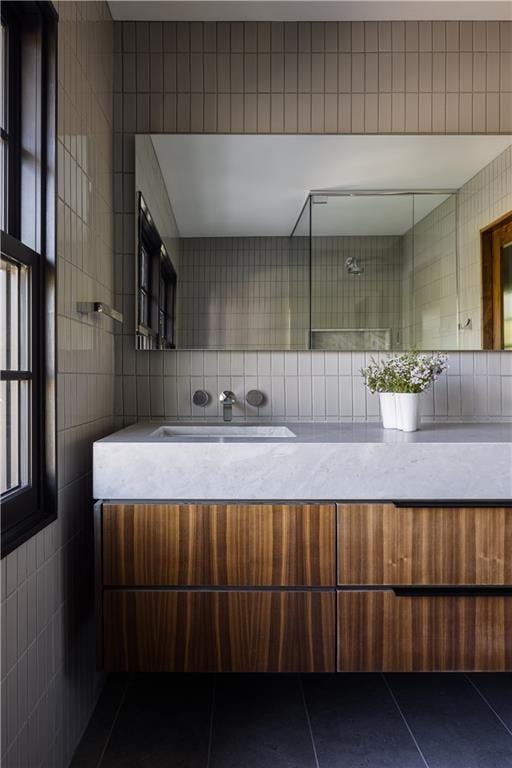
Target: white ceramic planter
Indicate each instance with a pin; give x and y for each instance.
(408, 411)
(388, 410)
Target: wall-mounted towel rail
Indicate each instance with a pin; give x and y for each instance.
(85, 307)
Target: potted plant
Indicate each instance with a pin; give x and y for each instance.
(400, 380)
(378, 379)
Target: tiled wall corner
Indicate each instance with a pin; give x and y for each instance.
(48, 676)
(483, 199)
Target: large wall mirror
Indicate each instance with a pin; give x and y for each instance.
(319, 242)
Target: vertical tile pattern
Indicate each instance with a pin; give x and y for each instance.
(372, 299)
(312, 386)
(243, 292)
(462, 70)
(257, 77)
(429, 280)
(483, 199)
(48, 677)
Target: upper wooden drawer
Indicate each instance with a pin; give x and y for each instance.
(219, 545)
(384, 544)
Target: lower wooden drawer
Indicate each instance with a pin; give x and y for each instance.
(382, 631)
(199, 631)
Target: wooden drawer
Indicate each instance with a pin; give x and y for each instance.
(383, 544)
(379, 631)
(198, 631)
(219, 545)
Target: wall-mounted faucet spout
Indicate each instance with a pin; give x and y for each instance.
(228, 399)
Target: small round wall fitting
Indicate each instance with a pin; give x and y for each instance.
(255, 398)
(201, 398)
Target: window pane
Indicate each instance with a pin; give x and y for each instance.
(143, 309)
(143, 275)
(3, 125)
(3, 73)
(14, 429)
(9, 464)
(14, 316)
(3, 183)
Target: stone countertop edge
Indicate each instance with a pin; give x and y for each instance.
(322, 432)
(320, 464)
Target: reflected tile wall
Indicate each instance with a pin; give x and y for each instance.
(49, 679)
(483, 199)
(244, 292)
(429, 295)
(368, 300)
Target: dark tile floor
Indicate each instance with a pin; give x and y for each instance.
(294, 721)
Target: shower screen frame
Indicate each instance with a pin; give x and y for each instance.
(307, 209)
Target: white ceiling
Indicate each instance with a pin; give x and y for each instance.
(310, 10)
(235, 185)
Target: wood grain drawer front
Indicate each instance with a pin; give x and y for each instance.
(381, 544)
(219, 545)
(197, 631)
(383, 632)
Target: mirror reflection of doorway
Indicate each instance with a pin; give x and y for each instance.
(506, 271)
(497, 284)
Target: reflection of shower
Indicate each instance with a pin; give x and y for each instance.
(353, 267)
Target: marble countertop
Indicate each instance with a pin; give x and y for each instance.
(325, 432)
(325, 461)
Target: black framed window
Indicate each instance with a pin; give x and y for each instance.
(27, 261)
(156, 287)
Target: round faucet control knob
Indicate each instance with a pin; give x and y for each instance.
(201, 397)
(255, 398)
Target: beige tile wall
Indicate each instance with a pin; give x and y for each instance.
(375, 77)
(309, 386)
(429, 293)
(369, 300)
(49, 680)
(359, 77)
(244, 292)
(447, 292)
(254, 292)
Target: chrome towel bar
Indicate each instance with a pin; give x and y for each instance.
(86, 307)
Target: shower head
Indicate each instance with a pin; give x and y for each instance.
(353, 267)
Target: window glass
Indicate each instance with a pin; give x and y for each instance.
(3, 126)
(27, 261)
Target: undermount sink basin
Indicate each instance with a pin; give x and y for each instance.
(226, 430)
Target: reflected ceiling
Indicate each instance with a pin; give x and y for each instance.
(235, 185)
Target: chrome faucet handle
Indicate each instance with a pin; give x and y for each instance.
(255, 398)
(227, 397)
(201, 398)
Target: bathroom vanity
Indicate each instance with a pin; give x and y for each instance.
(307, 552)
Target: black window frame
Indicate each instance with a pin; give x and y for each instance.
(158, 290)
(29, 239)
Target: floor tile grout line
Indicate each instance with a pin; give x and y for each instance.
(114, 721)
(308, 718)
(212, 713)
(406, 723)
(486, 700)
